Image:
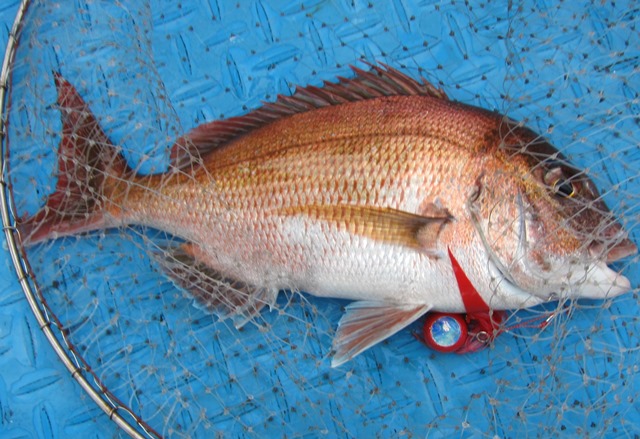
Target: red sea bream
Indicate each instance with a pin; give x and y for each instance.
(356, 190)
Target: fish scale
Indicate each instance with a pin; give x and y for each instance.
(364, 190)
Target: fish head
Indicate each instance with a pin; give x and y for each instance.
(556, 235)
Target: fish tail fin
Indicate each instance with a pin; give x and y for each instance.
(90, 169)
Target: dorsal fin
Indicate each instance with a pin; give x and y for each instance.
(380, 81)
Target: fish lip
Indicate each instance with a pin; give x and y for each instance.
(596, 280)
(602, 282)
(622, 248)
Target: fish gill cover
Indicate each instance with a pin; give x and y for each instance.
(153, 71)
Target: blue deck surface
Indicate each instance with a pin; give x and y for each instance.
(570, 71)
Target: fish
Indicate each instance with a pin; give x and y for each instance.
(362, 189)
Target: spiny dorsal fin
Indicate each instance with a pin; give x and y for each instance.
(381, 80)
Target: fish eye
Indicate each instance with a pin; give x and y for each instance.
(559, 184)
(564, 188)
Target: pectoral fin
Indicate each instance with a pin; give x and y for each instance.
(366, 323)
(225, 297)
(382, 223)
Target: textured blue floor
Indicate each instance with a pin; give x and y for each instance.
(37, 397)
(577, 378)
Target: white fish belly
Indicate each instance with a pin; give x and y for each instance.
(342, 265)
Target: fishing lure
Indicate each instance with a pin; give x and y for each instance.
(473, 330)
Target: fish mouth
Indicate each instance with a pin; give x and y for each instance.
(587, 276)
(610, 242)
(622, 248)
(600, 280)
(597, 281)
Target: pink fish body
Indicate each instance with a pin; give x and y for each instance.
(357, 190)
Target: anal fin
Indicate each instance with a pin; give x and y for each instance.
(366, 323)
(225, 297)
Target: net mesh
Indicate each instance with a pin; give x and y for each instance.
(152, 71)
